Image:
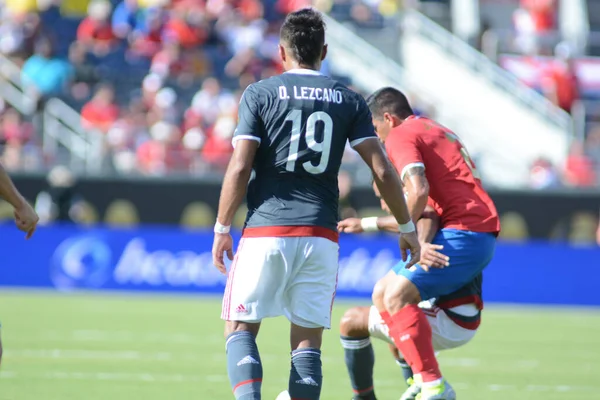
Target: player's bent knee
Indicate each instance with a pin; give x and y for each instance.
(399, 294)
(355, 322)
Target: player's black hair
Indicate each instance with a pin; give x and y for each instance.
(303, 32)
(389, 100)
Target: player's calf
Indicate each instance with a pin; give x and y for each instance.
(358, 351)
(410, 329)
(306, 375)
(244, 366)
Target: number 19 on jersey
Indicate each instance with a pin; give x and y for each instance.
(322, 149)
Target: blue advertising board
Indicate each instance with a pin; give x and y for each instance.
(174, 260)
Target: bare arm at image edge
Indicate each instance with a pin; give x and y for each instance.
(25, 217)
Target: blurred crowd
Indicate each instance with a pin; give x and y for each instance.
(160, 80)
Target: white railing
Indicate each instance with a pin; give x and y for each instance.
(11, 89)
(369, 68)
(477, 62)
(61, 125)
(373, 63)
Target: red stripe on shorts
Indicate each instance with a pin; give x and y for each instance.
(337, 273)
(226, 312)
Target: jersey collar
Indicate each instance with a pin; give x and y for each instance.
(303, 71)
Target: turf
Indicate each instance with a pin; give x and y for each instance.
(92, 347)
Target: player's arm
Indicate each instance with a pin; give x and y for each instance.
(364, 140)
(246, 139)
(9, 192)
(417, 189)
(428, 225)
(389, 186)
(236, 180)
(25, 217)
(386, 179)
(404, 151)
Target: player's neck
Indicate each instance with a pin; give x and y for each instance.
(295, 65)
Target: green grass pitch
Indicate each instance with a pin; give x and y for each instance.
(117, 347)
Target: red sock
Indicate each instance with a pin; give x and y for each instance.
(387, 318)
(411, 333)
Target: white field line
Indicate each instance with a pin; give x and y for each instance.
(94, 335)
(126, 355)
(180, 378)
(133, 355)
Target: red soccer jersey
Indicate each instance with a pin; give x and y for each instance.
(454, 183)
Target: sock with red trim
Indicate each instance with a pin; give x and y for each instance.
(244, 366)
(360, 360)
(411, 333)
(306, 376)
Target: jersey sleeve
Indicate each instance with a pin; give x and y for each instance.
(249, 125)
(403, 151)
(362, 128)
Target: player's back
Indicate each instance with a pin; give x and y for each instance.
(305, 120)
(452, 175)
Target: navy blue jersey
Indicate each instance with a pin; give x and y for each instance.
(302, 120)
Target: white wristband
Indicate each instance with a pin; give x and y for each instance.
(369, 224)
(407, 227)
(220, 228)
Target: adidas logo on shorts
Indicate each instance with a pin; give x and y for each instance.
(241, 309)
(247, 360)
(307, 381)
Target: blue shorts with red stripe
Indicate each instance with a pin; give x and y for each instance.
(469, 252)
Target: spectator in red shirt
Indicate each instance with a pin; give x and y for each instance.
(533, 21)
(100, 112)
(163, 151)
(95, 31)
(14, 131)
(146, 39)
(579, 168)
(217, 148)
(543, 175)
(559, 82)
(186, 27)
(542, 14)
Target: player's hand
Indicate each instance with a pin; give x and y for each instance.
(26, 219)
(432, 257)
(410, 241)
(222, 244)
(350, 225)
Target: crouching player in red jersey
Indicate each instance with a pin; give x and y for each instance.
(432, 163)
(453, 318)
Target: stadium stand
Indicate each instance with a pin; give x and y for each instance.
(157, 82)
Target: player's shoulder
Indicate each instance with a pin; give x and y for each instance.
(350, 95)
(263, 86)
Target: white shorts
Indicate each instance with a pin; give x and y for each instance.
(446, 334)
(291, 276)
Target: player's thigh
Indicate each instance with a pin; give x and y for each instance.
(469, 254)
(445, 333)
(312, 284)
(257, 278)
